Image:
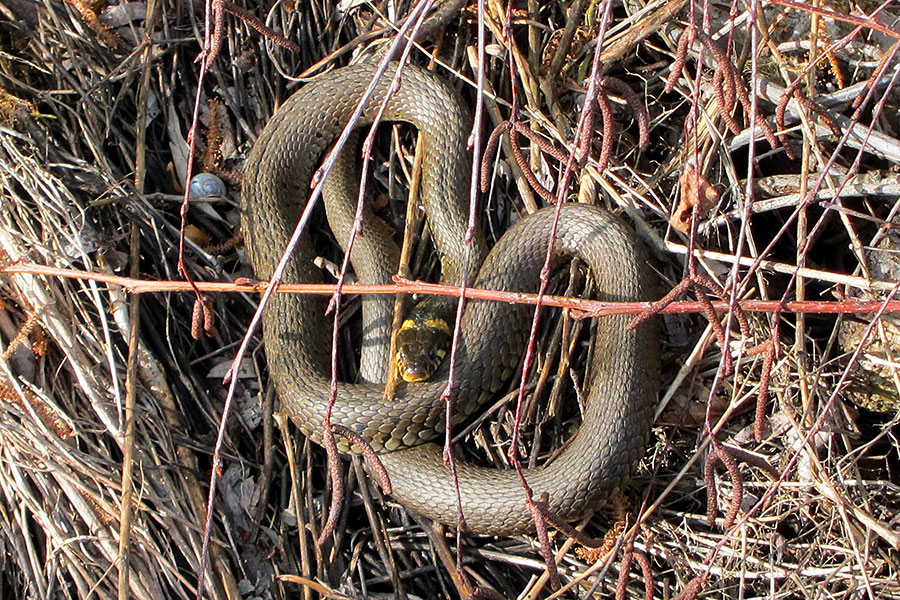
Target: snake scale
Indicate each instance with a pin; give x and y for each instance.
(620, 387)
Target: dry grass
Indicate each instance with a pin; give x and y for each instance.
(83, 184)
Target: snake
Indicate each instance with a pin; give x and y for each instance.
(621, 383)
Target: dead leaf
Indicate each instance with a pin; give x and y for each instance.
(695, 191)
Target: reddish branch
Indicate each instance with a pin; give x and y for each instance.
(866, 21)
(583, 307)
(876, 74)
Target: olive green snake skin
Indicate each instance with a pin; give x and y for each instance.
(620, 387)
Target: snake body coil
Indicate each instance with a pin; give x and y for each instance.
(620, 387)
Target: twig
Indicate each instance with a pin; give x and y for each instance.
(583, 307)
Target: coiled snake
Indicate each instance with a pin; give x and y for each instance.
(620, 387)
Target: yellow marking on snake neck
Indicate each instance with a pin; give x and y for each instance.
(439, 324)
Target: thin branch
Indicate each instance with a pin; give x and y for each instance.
(584, 307)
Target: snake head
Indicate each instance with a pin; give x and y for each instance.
(422, 343)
